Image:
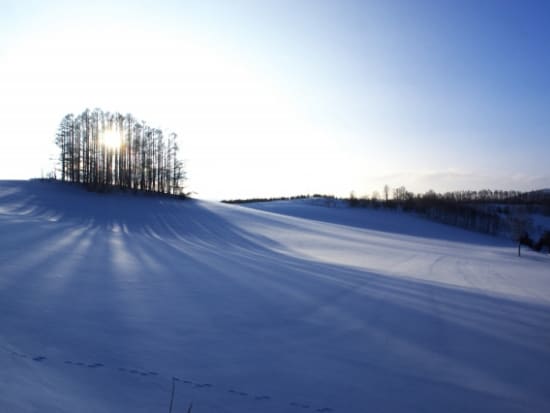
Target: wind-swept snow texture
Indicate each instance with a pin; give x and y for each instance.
(105, 298)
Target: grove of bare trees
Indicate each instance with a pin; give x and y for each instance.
(102, 149)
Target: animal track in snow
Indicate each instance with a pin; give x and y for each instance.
(151, 373)
(303, 406)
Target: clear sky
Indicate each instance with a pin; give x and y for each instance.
(283, 97)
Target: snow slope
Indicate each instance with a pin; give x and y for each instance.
(105, 298)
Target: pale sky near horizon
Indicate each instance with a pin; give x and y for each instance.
(274, 98)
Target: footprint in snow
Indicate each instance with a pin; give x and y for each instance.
(303, 406)
(81, 364)
(132, 371)
(202, 386)
(240, 393)
(154, 373)
(262, 398)
(182, 380)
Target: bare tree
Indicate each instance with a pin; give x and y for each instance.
(386, 192)
(102, 149)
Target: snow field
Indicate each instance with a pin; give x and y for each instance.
(104, 298)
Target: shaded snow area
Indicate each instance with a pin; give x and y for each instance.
(302, 308)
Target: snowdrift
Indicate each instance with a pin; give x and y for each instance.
(107, 298)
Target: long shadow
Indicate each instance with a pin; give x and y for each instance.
(479, 352)
(143, 214)
(153, 284)
(382, 220)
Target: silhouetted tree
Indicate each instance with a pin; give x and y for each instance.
(386, 192)
(102, 149)
(353, 201)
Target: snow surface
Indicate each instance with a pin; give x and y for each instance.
(105, 298)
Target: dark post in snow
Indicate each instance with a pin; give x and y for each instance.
(519, 225)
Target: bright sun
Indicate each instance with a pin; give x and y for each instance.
(111, 139)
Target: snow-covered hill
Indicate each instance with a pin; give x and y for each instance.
(105, 298)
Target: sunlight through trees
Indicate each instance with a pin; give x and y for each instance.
(101, 149)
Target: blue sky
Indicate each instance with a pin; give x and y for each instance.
(284, 97)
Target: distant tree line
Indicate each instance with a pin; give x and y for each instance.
(492, 212)
(103, 149)
(280, 198)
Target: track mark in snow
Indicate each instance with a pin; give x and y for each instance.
(202, 386)
(240, 393)
(303, 406)
(262, 398)
(134, 371)
(436, 263)
(82, 364)
(182, 380)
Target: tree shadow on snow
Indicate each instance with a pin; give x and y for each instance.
(153, 284)
(381, 220)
